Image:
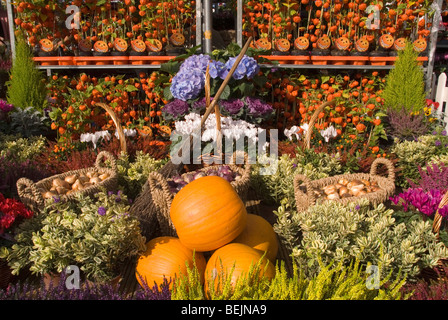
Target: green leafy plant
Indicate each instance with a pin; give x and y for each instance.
(334, 281)
(405, 85)
(28, 122)
(26, 87)
(97, 234)
(21, 148)
(344, 232)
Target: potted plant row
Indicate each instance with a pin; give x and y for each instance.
(106, 32)
(336, 32)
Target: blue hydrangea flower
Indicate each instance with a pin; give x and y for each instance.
(216, 69)
(199, 62)
(187, 84)
(248, 67)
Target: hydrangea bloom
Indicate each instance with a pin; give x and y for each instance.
(248, 67)
(176, 108)
(198, 62)
(217, 69)
(257, 107)
(187, 83)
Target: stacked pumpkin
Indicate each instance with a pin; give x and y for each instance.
(210, 220)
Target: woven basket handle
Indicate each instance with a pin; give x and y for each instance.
(438, 218)
(117, 125)
(388, 164)
(313, 120)
(23, 184)
(104, 155)
(155, 180)
(309, 189)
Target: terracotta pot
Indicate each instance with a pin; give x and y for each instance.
(51, 280)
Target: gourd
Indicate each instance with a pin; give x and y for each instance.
(260, 235)
(166, 257)
(208, 213)
(234, 260)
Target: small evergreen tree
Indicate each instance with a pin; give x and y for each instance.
(25, 87)
(405, 86)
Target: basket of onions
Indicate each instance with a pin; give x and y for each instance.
(68, 185)
(346, 187)
(163, 190)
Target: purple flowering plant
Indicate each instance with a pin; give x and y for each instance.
(426, 202)
(5, 106)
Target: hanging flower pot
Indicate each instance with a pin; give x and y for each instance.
(301, 43)
(342, 43)
(323, 43)
(386, 41)
(153, 46)
(420, 45)
(85, 47)
(46, 47)
(120, 45)
(362, 45)
(282, 45)
(263, 44)
(400, 44)
(138, 48)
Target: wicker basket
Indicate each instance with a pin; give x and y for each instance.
(305, 196)
(162, 196)
(30, 192)
(438, 272)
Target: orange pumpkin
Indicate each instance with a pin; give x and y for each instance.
(342, 43)
(46, 45)
(85, 45)
(301, 43)
(260, 235)
(154, 45)
(263, 44)
(400, 44)
(420, 45)
(165, 257)
(282, 45)
(386, 41)
(177, 39)
(323, 42)
(362, 44)
(208, 213)
(120, 45)
(101, 46)
(239, 256)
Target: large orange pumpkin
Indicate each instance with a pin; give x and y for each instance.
(208, 213)
(240, 258)
(260, 235)
(165, 257)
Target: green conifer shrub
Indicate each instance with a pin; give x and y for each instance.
(405, 84)
(26, 87)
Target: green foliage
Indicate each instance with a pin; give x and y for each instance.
(332, 282)
(405, 85)
(412, 154)
(26, 87)
(28, 122)
(341, 233)
(98, 235)
(19, 148)
(133, 174)
(278, 185)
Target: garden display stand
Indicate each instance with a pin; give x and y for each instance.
(144, 207)
(30, 192)
(307, 198)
